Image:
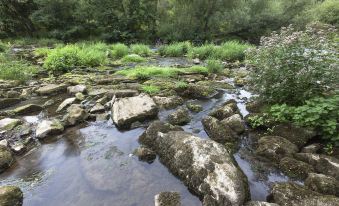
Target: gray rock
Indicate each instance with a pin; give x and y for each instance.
(98, 108)
(11, 196)
(309, 158)
(295, 168)
(275, 147)
(13, 94)
(8, 102)
(222, 112)
(145, 154)
(121, 93)
(97, 92)
(52, 89)
(218, 132)
(297, 135)
(101, 117)
(75, 114)
(18, 147)
(27, 109)
(126, 111)
(76, 89)
(179, 117)
(4, 142)
(167, 199)
(168, 102)
(80, 96)
(313, 148)
(66, 103)
(328, 166)
(48, 103)
(205, 166)
(194, 107)
(323, 184)
(9, 124)
(49, 127)
(6, 158)
(258, 203)
(287, 194)
(235, 123)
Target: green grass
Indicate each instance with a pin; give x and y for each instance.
(150, 89)
(15, 70)
(3, 47)
(141, 49)
(181, 85)
(63, 59)
(177, 49)
(148, 72)
(202, 52)
(214, 66)
(42, 52)
(133, 58)
(119, 50)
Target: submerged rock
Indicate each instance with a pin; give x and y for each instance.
(295, 168)
(75, 115)
(145, 154)
(52, 89)
(323, 184)
(9, 124)
(218, 132)
(179, 117)
(167, 199)
(66, 103)
(11, 196)
(27, 109)
(49, 127)
(205, 166)
(287, 194)
(6, 158)
(126, 111)
(275, 147)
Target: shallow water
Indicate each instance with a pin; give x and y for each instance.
(93, 165)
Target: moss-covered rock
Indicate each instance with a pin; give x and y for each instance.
(295, 168)
(27, 109)
(323, 184)
(167, 199)
(9, 124)
(194, 107)
(217, 131)
(6, 158)
(179, 117)
(11, 196)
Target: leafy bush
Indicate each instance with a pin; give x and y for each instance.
(141, 49)
(62, 59)
(293, 66)
(178, 49)
(133, 58)
(119, 51)
(214, 66)
(328, 12)
(150, 89)
(181, 85)
(319, 113)
(16, 70)
(42, 52)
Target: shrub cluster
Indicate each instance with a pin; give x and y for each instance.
(177, 49)
(15, 70)
(141, 49)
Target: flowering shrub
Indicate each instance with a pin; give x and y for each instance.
(293, 66)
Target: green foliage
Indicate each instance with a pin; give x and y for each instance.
(177, 49)
(214, 66)
(149, 72)
(328, 12)
(119, 50)
(293, 66)
(16, 70)
(202, 52)
(42, 52)
(141, 49)
(150, 89)
(62, 59)
(133, 58)
(3, 47)
(181, 85)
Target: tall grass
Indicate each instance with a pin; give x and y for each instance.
(119, 50)
(214, 66)
(141, 49)
(177, 49)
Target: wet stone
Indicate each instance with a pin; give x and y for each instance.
(313, 148)
(6, 158)
(168, 102)
(98, 108)
(323, 184)
(194, 107)
(75, 114)
(49, 127)
(235, 123)
(11, 196)
(52, 89)
(76, 89)
(9, 124)
(28, 109)
(258, 203)
(295, 168)
(167, 199)
(179, 117)
(8, 102)
(218, 132)
(66, 103)
(145, 154)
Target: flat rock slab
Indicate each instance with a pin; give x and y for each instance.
(66, 103)
(49, 127)
(126, 111)
(52, 89)
(120, 93)
(27, 109)
(8, 102)
(205, 166)
(8, 123)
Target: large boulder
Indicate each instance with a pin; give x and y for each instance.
(167, 199)
(328, 166)
(126, 111)
(275, 147)
(27, 109)
(217, 131)
(297, 135)
(9, 123)
(11, 196)
(179, 117)
(323, 184)
(51, 89)
(309, 158)
(75, 114)
(223, 112)
(295, 168)
(6, 158)
(205, 166)
(235, 123)
(287, 194)
(312, 148)
(66, 103)
(49, 127)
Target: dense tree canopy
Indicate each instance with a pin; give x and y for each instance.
(167, 20)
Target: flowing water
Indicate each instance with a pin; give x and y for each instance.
(92, 164)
